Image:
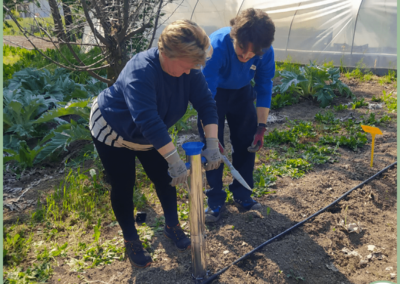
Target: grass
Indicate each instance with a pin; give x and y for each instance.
(68, 223)
(16, 59)
(362, 73)
(390, 100)
(10, 27)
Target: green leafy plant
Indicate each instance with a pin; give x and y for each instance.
(182, 122)
(293, 275)
(326, 118)
(17, 58)
(371, 119)
(353, 142)
(340, 107)
(37, 273)
(358, 103)
(377, 99)
(281, 100)
(390, 100)
(317, 82)
(183, 211)
(389, 78)
(21, 107)
(24, 155)
(97, 232)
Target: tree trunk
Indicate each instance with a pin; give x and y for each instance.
(58, 25)
(68, 22)
(120, 58)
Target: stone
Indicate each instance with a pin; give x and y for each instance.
(332, 267)
(363, 263)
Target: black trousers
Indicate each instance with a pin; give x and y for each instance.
(237, 106)
(119, 164)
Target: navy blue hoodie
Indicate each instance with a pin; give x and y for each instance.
(145, 101)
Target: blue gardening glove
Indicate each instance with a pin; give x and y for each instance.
(176, 168)
(212, 154)
(258, 140)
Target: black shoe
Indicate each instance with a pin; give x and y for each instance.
(212, 216)
(177, 235)
(138, 256)
(249, 204)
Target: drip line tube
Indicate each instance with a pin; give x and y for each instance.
(215, 276)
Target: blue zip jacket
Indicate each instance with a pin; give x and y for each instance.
(224, 70)
(145, 101)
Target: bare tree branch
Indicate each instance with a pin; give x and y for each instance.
(90, 71)
(137, 31)
(100, 15)
(125, 23)
(112, 25)
(90, 22)
(155, 25)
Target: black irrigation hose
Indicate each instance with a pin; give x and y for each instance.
(295, 226)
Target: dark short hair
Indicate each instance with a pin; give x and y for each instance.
(255, 26)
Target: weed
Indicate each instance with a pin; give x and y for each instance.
(390, 100)
(229, 197)
(146, 234)
(358, 103)
(97, 233)
(371, 120)
(281, 100)
(293, 275)
(389, 78)
(340, 107)
(16, 247)
(353, 142)
(139, 198)
(39, 272)
(326, 118)
(376, 99)
(183, 211)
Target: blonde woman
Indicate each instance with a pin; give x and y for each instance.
(131, 119)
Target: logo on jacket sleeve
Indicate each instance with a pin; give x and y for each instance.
(253, 67)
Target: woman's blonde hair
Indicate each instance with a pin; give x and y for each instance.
(185, 39)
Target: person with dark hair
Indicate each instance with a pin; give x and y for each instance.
(131, 119)
(242, 52)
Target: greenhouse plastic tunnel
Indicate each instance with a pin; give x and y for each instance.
(351, 33)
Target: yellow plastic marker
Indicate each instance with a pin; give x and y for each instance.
(373, 131)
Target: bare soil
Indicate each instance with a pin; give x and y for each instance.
(21, 41)
(321, 251)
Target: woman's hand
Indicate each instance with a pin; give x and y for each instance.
(176, 168)
(212, 154)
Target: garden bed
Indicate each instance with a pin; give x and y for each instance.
(322, 251)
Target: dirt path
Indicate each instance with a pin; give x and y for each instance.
(322, 251)
(21, 41)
